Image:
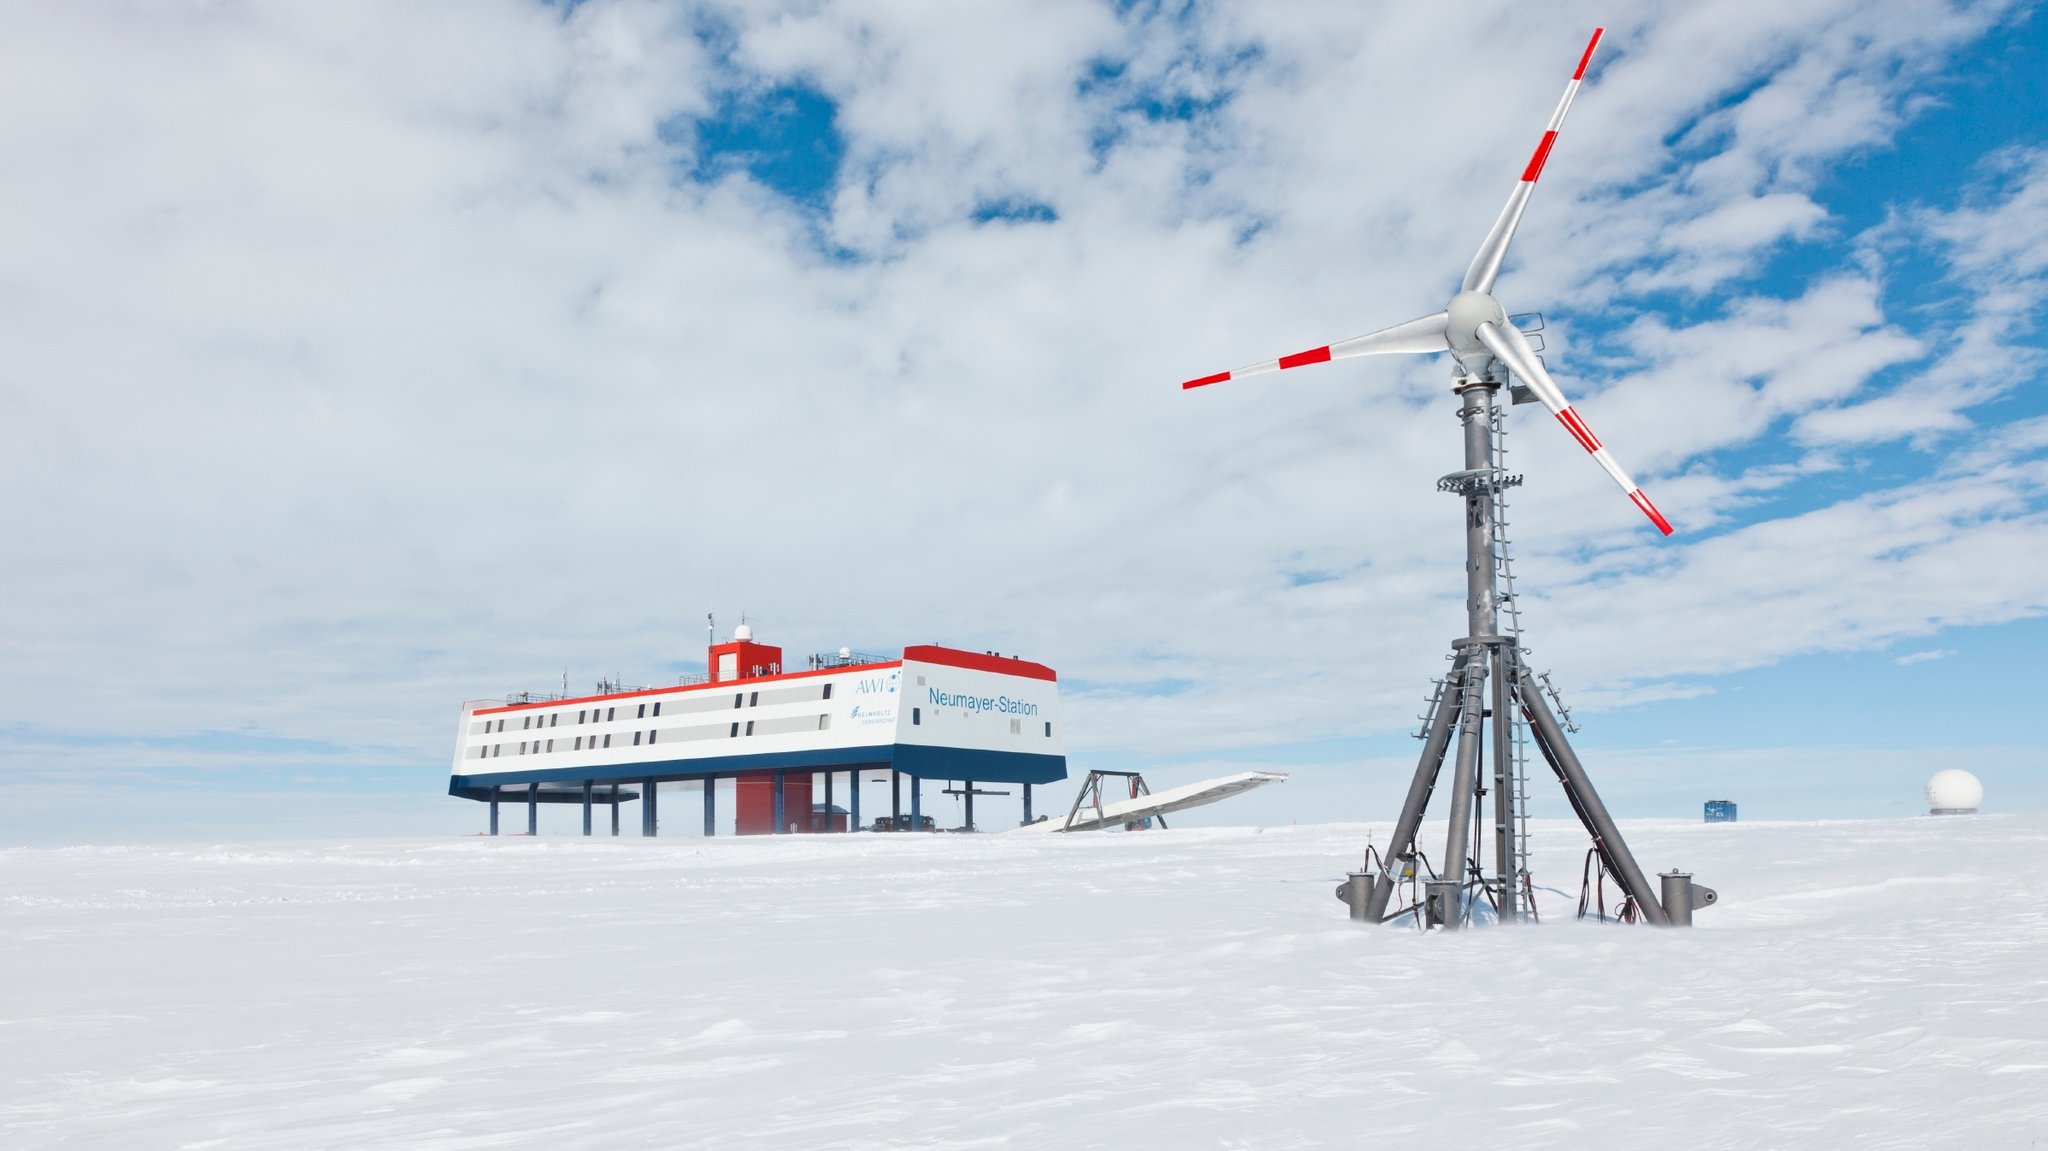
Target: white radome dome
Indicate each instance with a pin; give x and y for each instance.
(742, 633)
(1953, 792)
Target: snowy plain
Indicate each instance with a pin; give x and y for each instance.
(1871, 984)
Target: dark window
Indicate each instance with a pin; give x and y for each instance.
(750, 727)
(828, 691)
(754, 700)
(579, 717)
(916, 716)
(643, 712)
(636, 739)
(739, 699)
(579, 743)
(607, 741)
(735, 728)
(551, 745)
(650, 736)
(1048, 730)
(611, 713)
(527, 721)
(555, 720)
(657, 707)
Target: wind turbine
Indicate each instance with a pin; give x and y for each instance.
(1488, 351)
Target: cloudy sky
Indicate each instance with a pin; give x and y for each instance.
(360, 359)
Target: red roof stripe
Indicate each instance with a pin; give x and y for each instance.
(1218, 378)
(1302, 359)
(1588, 57)
(721, 685)
(978, 661)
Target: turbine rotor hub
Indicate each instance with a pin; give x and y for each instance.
(1468, 310)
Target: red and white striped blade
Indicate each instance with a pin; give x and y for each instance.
(1486, 265)
(1508, 345)
(1419, 336)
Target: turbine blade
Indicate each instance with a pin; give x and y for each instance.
(1418, 336)
(1511, 349)
(1486, 265)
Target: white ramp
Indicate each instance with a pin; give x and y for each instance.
(1160, 803)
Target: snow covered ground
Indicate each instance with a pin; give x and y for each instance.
(1867, 984)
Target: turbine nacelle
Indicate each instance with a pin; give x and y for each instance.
(1464, 314)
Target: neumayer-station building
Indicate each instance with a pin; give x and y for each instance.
(937, 713)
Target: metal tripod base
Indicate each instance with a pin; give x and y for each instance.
(1459, 706)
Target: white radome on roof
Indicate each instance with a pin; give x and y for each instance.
(1953, 792)
(742, 633)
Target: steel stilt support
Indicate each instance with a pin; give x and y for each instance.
(780, 815)
(587, 786)
(895, 800)
(968, 787)
(829, 776)
(1443, 713)
(916, 804)
(647, 813)
(533, 809)
(615, 810)
(853, 800)
(1550, 740)
(494, 811)
(1027, 803)
(710, 806)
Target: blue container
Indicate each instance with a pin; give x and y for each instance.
(1720, 811)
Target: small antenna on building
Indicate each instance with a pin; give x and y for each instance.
(710, 630)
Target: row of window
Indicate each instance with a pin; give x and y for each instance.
(540, 747)
(1016, 725)
(824, 722)
(608, 714)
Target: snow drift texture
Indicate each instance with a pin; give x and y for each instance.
(1868, 984)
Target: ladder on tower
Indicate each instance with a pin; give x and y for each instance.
(1503, 559)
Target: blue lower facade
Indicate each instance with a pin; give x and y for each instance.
(912, 760)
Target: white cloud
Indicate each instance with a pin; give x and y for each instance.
(1996, 248)
(371, 359)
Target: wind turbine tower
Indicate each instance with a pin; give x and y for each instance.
(1490, 696)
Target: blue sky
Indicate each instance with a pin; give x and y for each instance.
(369, 362)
